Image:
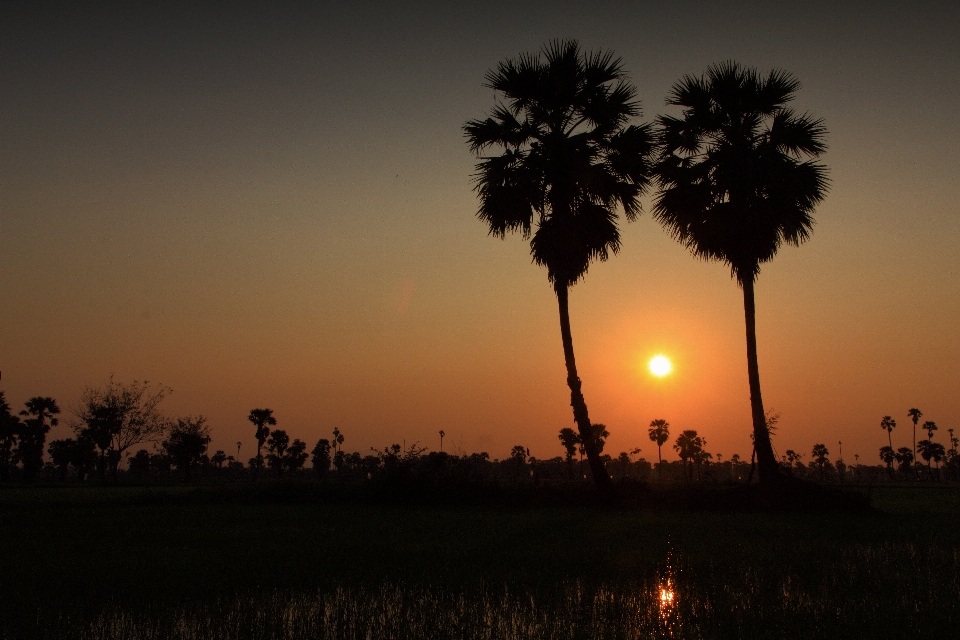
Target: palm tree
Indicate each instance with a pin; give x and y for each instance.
(888, 424)
(659, 432)
(569, 159)
(260, 418)
(915, 414)
(738, 179)
(929, 426)
(820, 452)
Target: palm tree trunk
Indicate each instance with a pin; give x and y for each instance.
(766, 462)
(659, 464)
(580, 414)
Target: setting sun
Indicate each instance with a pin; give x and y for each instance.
(660, 366)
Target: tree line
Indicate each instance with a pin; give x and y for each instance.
(112, 420)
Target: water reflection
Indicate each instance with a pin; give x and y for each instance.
(676, 599)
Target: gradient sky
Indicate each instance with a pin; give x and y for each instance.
(273, 207)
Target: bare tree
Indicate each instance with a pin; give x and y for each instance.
(118, 416)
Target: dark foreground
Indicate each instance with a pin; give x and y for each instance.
(236, 563)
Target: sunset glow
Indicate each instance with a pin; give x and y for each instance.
(660, 366)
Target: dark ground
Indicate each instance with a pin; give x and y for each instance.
(75, 551)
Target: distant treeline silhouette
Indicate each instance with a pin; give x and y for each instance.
(112, 420)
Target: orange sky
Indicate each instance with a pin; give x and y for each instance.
(226, 206)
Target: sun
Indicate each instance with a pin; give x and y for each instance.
(660, 366)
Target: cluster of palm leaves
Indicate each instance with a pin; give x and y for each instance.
(736, 176)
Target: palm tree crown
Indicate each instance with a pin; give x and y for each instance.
(735, 182)
(568, 156)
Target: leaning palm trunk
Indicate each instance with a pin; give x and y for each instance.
(580, 414)
(766, 462)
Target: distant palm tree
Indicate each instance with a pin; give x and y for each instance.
(888, 424)
(738, 179)
(888, 455)
(929, 426)
(915, 414)
(659, 432)
(569, 439)
(262, 419)
(689, 446)
(441, 440)
(820, 452)
(569, 159)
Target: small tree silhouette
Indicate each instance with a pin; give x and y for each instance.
(187, 443)
(321, 457)
(888, 424)
(689, 446)
(915, 415)
(820, 454)
(659, 432)
(277, 446)
(904, 457)
(40, 414)
(888, 455)
(262, 419)
(569, 439)
(9, 429)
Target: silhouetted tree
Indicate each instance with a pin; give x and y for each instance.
(791, 459)
(187, 443)
(688, 446)
(218, 458)
(820, 454)
(9, 430)
(569, 158)
(659, 432)
(569, 439)
(296, 455)
(118, 416)
(277, 446)
(32, 437)
(888, 424)
(321, 457)
(931, 451)
(915, 415)
(929, 426)
(139, 464)
(62, 454)
(441, 440)
(734, 188)
(888, 455)
(262, 419)
(904, 457)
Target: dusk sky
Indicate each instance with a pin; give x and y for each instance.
(272, 206)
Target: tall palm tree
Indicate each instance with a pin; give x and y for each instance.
(568, 159)
(738, 178)
(262, 419)
(659, 432)
(915, 415)
(888, 424)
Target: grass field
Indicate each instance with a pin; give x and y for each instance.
(232, 563)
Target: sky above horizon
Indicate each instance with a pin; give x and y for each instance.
(272, 207)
